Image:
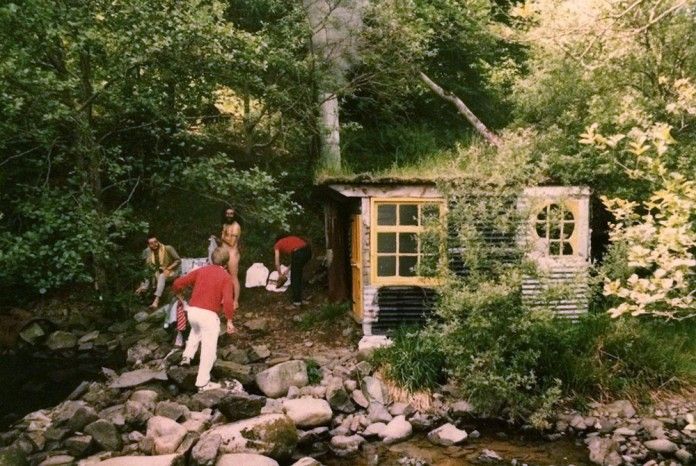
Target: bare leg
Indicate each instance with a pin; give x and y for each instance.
(233, 268)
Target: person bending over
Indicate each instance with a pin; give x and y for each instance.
(212, 293)
(299, 251)
(163, 262)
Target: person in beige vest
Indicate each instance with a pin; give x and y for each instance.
(230, 236)
(163, 262)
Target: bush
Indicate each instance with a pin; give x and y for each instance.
(313, 372)
(414, 360)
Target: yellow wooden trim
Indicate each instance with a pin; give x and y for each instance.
(374, 229)
(356, 267)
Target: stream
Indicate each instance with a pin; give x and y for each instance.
(32, 381)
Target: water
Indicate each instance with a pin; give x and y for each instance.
(31, 381)
(531, 451)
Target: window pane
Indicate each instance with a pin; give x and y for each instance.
(386, 214)
(386, 266)
(555, 231)
(568, 228)
(430, 213)
(386, 242)
(541, 229)
(555, 248)
(407, 266)
(542, 215)
(408, 243)
(567, 249)
(408, 214)
(568, 216)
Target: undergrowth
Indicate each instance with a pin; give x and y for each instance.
(327, 313)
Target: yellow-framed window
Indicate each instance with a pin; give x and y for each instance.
(397, 248)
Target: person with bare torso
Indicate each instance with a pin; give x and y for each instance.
(231, 233)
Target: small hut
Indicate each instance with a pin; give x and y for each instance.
(373, 236)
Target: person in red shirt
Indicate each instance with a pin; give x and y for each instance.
(299, 251)
(212, 293)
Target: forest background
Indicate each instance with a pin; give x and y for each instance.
(120, 117)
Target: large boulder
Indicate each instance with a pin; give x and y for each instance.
(447, 435)
(397, 430)
(61, 340)
(604, 451)
(105, 435)
(662, 445)
(246, 459)
(275, 381)
(237, 407)
(166, 433)
(308, 412)
(373, 389)
(184, 377)
(273, 435)
(338, 397)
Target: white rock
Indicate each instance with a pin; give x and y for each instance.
(160, 460)
(447, 435)
(374, 429)
(308, 412)
(306, 461)
(397, 430)
(275, 381)
(661, 445)
(343, 445)
(166, 433)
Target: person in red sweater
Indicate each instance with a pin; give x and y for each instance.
(299, 251)
(212, 293)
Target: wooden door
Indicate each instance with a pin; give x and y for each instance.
(356, 266)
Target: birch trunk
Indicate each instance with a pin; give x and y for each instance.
(330, 132)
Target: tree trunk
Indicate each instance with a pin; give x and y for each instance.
(463, 109)
(329, 132)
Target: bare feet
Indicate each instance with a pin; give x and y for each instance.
(155, 303)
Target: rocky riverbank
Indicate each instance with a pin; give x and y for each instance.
(280, 408)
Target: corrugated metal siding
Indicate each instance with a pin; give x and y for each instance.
(403, 305)
(570, 283)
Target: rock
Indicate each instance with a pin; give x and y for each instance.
(683, 455)
(294, 392)
(625, 431)
(234, 354)
(137, 377)
(373, 389)
(104, 434)
(378, 413)
(246, 459)
(447, 435)
(359, 399)
(398, 409)
(654, 427)
(309, 437)
(622, 408)
(368, 344)
(421, 421)
(603, 451)
(343, 445)
(275, 381)
(146, 397)
(374, 429)
(206, 450)
(256, 325)
(174, 411)
(58, 460)
(190, 439)
(338, 397)
(397, 430)
(258, 353)
(141, 316)
(273, 435)
(661, 445)
(61, 340)
(114, 414)
(489, 456)
(32, 333)
(137, 413)
(306, 461)
(88, 337)
(225, 370)
(74, 415)
(56, 434)
(578, 423)
(238, 407)
(78, 445)
(184, 377)
(160, 460)
(142, 351)
(462, 409)
(167, 434)
(308, 412)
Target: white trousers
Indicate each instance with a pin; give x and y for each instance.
(205, 329)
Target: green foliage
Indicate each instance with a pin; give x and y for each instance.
(313, 372)
(414, 360)
(326, 315)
